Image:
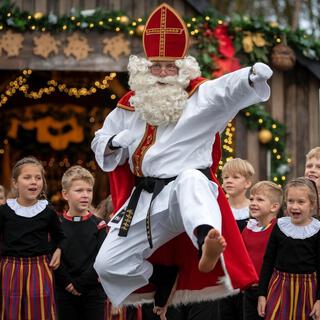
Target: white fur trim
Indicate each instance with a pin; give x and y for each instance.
(298, 232)
(184, 296)
(222, 289)
(27, 212)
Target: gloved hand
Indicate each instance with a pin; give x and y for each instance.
(123, 139)
(260, 72)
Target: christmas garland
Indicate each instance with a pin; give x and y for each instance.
(222, 46)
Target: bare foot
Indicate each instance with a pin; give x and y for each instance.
(214, 244)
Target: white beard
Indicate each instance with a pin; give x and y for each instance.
(159, 101)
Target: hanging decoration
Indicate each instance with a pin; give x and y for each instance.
(283, 57)
(77, 46)
(265, 136)
(59, 134)
(45, 44)
(116, 46)
(11, 43)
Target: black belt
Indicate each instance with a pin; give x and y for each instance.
(151, 185)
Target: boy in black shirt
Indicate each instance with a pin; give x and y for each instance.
(79, 292)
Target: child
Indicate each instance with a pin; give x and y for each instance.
(79, 293)
(25, 223)
(2, 195)
(265, 203)
(288, 286)
(237, 179)
(312, 167)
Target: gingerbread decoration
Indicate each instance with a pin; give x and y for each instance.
(78, 47)
(116, 46)
(45, 44)
(11, 43)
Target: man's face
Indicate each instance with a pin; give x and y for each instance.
(163, 69)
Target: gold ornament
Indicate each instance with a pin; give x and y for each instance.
(140, 29)
(283, 57)
(78, 47)
(116, 46)
(124, 20)
(44, 45)
(265, 136)
(38, 15)
(274, 24)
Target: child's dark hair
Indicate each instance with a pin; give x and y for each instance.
(16, 171)
(312, 190)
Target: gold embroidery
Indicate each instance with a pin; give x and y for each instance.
(147, 141)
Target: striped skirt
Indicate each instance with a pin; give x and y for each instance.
(290, 296)
(27, 291)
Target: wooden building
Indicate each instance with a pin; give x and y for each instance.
(294, 100)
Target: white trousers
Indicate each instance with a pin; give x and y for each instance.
(121, 262)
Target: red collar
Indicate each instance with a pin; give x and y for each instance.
(77, 218)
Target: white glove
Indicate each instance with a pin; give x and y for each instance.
(123, 139)
(260, 72)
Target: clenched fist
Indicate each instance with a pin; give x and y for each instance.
(260, 72)
(123, 139)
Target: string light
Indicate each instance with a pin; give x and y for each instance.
(228, 144)
(20, 84)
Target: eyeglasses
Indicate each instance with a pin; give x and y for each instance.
(168, 68)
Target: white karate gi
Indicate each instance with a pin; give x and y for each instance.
(179, 149)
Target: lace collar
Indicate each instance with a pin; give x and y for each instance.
(27, 212)
(298, 232)
(253, 226)
(241, 214)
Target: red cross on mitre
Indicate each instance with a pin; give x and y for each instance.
(165, 35)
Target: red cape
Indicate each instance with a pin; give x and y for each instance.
(180, 250)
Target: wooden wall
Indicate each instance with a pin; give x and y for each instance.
(133, 8)
(295, 102)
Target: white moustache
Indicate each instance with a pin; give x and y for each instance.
(173, 80)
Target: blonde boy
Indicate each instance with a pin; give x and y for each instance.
(237, 175)
(312, 166)
(79, 293)
(265, 203)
